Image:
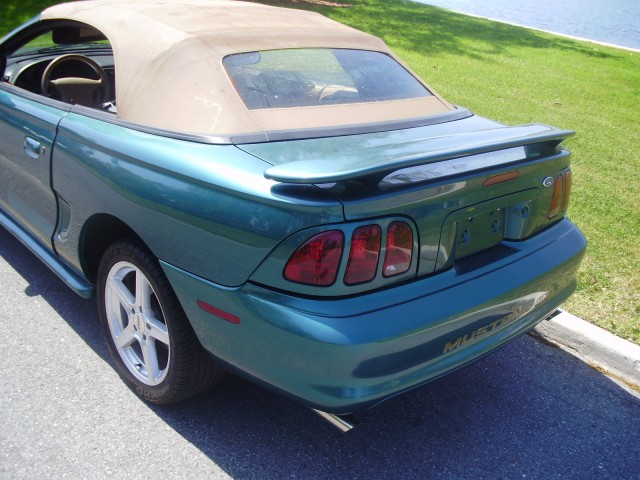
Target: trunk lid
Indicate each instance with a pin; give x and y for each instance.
(467, 185)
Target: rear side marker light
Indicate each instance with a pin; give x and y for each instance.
(229, 317)
(364, 254)
(316, 261)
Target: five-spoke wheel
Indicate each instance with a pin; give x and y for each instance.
(152, 343)
(137, 323)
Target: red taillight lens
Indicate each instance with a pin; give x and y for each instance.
(316, 262)
(567, 190)
(364, 254)
(556, 200)
(399, 249)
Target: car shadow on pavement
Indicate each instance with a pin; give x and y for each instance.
(527, 411)
(81, 315)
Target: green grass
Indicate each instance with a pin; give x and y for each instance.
(517, 75)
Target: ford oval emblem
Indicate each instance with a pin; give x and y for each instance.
(547, 182)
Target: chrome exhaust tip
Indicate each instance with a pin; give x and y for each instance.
(553, 314)
(344, 423)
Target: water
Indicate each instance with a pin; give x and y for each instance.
(610, 21)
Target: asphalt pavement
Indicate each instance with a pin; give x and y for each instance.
(613, 356)
(531, 410)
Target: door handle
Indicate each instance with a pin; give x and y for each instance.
(33, 148)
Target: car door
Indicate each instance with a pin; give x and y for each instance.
(28, 125)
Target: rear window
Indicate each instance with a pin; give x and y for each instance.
(315, 77)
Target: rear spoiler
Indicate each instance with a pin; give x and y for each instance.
(373, 168)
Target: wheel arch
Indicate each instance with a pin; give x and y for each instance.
(98, 232)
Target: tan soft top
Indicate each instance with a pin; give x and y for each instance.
(168, 60)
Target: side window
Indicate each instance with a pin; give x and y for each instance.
(21, 71)
(41, 41)
(72, 63)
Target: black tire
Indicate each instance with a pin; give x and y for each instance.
(148, 334)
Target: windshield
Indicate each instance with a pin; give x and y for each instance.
(315, 77)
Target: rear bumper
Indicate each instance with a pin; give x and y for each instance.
(348, 354)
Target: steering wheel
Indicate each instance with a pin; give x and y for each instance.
(77, 90)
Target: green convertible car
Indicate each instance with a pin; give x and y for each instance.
(267, 191)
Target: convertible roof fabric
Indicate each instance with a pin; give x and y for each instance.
(169, 73)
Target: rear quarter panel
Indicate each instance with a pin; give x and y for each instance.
(205, 208)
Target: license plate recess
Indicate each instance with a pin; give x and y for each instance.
(479, 232)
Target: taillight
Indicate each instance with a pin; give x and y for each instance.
(363, 256)
(397, 259)
(316, 261)
(556, 199)
(561, 194)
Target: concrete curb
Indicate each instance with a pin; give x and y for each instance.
(613, 356)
